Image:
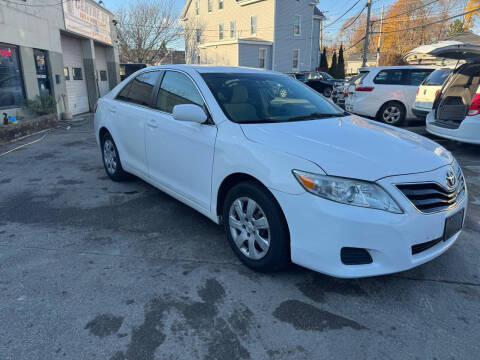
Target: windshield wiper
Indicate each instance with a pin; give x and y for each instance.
(316, 116)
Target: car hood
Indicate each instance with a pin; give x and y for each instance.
(352, 146)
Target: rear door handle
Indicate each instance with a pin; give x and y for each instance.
(152, 123)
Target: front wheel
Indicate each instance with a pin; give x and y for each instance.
(111, 159)
(327, 92)
(256, 228)
(392, 113)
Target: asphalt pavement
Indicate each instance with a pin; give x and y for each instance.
(92, 269)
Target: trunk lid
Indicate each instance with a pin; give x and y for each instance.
(449, 49)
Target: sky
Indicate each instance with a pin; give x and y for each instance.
(332, 9)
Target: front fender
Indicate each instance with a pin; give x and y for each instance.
(234, 153)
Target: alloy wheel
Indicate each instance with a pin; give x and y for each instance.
(391, 114)
(249, 228)
(110, 156)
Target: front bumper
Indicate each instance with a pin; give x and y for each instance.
(467, 132)
(320, 228)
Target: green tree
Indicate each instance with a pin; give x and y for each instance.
(333, 65)
(323, 60)
(341, 64)
(456, 27)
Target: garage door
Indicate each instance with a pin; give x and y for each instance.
(75, 75)
(101, 65)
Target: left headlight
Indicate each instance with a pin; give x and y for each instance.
(348, 191)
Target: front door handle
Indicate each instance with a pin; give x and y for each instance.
(152, 123)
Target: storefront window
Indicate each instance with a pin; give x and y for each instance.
(11, 84)
(43, 78)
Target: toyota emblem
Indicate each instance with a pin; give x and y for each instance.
(450, 178)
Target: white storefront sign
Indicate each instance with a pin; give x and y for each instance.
(84, 18)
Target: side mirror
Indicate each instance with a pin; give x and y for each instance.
(189, 112)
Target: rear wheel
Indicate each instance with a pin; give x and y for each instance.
(392, 113)
(111, 159)
(256, 228)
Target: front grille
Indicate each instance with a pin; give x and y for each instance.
(355, 256)
(425, 246)
(432, 197)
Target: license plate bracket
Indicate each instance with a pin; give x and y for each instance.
(453, 224)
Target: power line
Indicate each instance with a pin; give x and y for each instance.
(341, 16)
(423, 25)
(353, 21)
(409, 11)
(358, 42)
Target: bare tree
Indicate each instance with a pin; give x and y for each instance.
(145, 28)
(194, 33)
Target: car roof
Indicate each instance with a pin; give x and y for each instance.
(371, 68)
(209, 68)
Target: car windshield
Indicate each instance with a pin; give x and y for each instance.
(437, 78)
(262, 98)
(302, 76)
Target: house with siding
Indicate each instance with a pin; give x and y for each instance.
(280, 35)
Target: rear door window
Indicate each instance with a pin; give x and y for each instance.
(391, 77)
(139, 90)
(417, 76)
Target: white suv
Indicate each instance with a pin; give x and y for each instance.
(428, 91)
(387, 92)
(456, 110)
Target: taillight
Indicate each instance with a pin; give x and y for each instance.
(436, 93)
(364, 88)
(474, 108)
(345, 92)
(418, 89)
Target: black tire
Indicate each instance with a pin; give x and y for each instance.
(277, 256)
(385, 114)
(116, 172)
(327, 92)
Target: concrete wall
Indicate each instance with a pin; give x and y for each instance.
(89, 67)
(31, 26)
(29, 72)
(39, 27)
(59, 90)
(286, 41)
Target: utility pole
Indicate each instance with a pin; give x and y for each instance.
(367, 34)
(380, 37)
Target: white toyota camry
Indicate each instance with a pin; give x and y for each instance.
(289, 175)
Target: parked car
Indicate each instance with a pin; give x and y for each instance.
(428, 91)
(301, 76)
(323, 82)
(387, 93)
(456, 111)
(291, 178)
(340, 92)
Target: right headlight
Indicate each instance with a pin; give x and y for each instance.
(348, 191)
